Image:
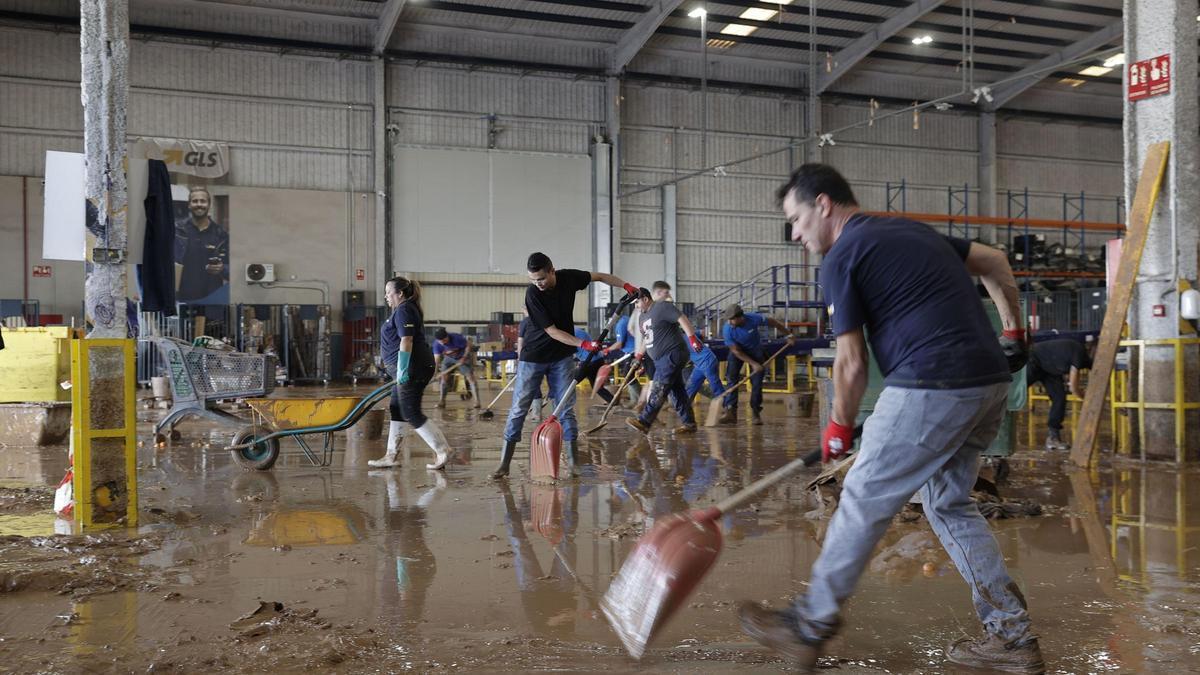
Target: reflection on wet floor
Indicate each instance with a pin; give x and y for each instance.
(413, 570)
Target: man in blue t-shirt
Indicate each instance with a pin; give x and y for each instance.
(945, 390)
(745, 346)
(449, 350)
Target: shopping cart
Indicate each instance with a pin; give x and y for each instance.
(199, 377)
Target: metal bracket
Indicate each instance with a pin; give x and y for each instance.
(108, 256)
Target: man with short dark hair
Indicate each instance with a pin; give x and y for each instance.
(745, 346)
(548, 350)
(449, 350)
(201, 253)
(1049, 361)
(665, 327)
(945, 390)
(704, 362)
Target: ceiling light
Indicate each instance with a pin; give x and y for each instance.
(1115, 60)
(738, 29)
(714, 43)
(923, 40)
(1073, 81)
(1095, 71)
(758, 14)
(698, 12)
(788, 2)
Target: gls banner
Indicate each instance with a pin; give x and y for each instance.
(195, 158)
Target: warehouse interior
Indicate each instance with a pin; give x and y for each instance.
(339, 144)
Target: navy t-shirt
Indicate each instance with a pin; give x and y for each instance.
(405, 321)
(908, 287)
(552, 307)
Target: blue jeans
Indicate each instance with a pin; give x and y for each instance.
(925, 439)
(559, 376)
(733, 372)
(705, 368)
(668, 380)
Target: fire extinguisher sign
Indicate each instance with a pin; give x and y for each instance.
(1151, 77)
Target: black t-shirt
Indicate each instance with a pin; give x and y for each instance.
(1056, 357)
(552, 307)
(908, 286)
(195, 250)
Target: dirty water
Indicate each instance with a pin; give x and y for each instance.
(350, 569)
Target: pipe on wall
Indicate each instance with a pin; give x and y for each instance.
(25, 271)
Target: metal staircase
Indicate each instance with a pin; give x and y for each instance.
(790, 293)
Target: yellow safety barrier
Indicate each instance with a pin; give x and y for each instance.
(1122, 400)
(104, 433)
(1133, 520)
(1037, 394)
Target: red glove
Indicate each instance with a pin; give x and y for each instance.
(590, 346)
(638, 356)
(630, 289)
(697, 345)
(836, 441)
(1017, 334)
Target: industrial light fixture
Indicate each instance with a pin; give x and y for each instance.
(1115, 60)
(1072, 81)
(738, 29)
(1095, 71)
(985, 92)
(698, 12)
(923, 40)
(758, 14)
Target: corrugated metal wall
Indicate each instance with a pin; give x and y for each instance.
(729, 227)
(293, 122)
(290, 121)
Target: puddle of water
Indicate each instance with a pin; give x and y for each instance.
(28, 525)
(412, 570)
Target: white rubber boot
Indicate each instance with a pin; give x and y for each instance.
(395, 435)
(432, 434)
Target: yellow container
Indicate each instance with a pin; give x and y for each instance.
(301, 413)
(33, 363)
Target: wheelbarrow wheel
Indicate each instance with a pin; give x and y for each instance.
(261, 456)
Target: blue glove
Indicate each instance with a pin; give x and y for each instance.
(402, 359)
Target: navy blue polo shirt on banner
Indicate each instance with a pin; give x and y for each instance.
(909, 288)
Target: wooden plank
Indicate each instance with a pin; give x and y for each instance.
(1088, 423)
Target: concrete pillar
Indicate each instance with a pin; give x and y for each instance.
(612, 119)
(104, 52)
(1154, 28)
(602, 231)
(987, 173)
(670, 232)
(383, 239)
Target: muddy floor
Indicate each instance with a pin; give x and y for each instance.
(346, 569)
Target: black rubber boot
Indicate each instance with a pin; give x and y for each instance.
(573, 458)
(506, 456)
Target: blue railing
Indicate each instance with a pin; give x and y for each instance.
(790, 293)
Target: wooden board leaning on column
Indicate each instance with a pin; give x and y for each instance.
(1138, 226)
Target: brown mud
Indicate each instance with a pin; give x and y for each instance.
(349, 569)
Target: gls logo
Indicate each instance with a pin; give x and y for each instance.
(203, 160)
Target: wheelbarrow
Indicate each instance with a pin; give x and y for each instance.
(257, 446)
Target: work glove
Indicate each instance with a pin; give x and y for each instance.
(638, 356)
(402, 359)
(590, 346)
(697, 345)
(1014, 344)
(836, 441)
(631, 293)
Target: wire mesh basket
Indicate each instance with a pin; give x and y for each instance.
(211, 374)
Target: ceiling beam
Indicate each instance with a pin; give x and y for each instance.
(856, 51)
(1023, 79)
(635, 38)
(388, 19)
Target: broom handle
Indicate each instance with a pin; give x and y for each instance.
(510, 383)
(612, 321)
(750, 374)
(772, 479)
